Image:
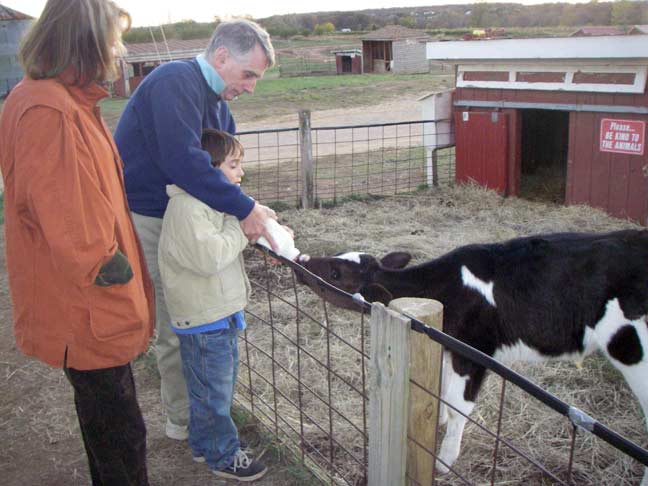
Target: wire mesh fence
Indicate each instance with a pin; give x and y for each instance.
(290, 66)
(305, 374)
(347, 161)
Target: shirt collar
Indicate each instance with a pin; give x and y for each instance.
(213, 79)
(87, 94)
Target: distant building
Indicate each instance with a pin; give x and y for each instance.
(141, 59)
(348, 61)
(13, 26)
(395, 48)
(597, 31)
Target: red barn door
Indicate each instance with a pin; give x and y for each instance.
(482, 148)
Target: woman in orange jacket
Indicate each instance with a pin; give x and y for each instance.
(82, 298)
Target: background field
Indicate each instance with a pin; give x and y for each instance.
(276, 97)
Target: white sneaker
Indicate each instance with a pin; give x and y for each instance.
(244, 447)
(176, 432)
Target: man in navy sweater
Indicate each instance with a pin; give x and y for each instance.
(158, 137)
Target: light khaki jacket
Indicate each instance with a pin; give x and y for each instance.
(201, 262)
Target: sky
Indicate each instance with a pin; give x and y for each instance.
(155, 12)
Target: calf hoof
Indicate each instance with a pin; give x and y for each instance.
(442, 468)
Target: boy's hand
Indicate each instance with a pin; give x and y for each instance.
(254, 225)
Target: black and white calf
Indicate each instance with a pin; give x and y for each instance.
(554, 296)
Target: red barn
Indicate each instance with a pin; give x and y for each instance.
(141, 59)
(570, 111)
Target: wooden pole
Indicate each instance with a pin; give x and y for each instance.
(388, 397)
(306, 148)
(425, 366)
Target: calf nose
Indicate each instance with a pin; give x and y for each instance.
(303, 259)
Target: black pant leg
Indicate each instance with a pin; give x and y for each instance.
(111, 424)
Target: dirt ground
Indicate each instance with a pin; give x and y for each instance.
(40, 436)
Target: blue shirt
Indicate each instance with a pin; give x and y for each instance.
(158, 137)
(214, 81)
(238, 319)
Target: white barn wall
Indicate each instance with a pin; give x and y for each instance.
(409, 57)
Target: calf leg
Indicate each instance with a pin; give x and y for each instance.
(624, 342)
(454, 394)
(445, 380)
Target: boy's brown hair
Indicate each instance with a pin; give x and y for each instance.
(220, 145)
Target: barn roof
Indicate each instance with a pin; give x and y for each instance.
(550, 49)
(638, 30)
(171, 50)
(597, 31)
(395, 32)
(343, 52)
(7, 13)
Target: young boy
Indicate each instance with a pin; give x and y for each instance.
(206, 290)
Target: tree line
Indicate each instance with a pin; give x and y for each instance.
(435, 18)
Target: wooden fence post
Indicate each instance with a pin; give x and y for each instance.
(425, 366)
(306, 148)
(388, 397)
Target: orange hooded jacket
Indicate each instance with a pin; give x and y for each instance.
(65, 216)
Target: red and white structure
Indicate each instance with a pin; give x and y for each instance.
(141, 59)
(579, 102)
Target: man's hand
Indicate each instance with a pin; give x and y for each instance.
(254, 225)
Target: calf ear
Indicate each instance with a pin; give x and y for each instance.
(396, 259)
(376, 293)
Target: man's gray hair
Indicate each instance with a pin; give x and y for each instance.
(239, 37)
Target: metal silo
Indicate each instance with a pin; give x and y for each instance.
(13, 26)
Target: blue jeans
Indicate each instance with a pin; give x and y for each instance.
(210, 365)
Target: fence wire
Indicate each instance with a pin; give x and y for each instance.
(305, 372)
(348, 162)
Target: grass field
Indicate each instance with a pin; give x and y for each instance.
(288, 95)
(276, 96)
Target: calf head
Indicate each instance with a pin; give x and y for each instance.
(352, 272)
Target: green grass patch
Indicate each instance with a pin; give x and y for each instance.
(339, 41)
(283, 87)
(112, 106)
(279, 96)
(290, 94)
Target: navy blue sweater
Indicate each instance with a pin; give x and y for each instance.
(158, 137)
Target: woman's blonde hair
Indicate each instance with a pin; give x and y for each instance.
(84, 35)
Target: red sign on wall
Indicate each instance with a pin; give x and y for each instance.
(623, 136)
